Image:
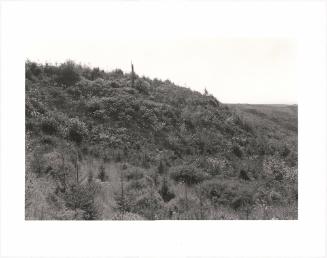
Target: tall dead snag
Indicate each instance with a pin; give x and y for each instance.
(133, 75)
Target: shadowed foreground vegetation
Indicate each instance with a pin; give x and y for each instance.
(113, 145)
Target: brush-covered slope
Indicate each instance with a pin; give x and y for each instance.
(112, 145)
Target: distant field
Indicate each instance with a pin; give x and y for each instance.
(279, 122)
(283, 116)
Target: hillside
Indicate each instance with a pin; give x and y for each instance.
(113, 145)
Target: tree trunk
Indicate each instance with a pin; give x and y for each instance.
(77, 170)
(122, 194)
(186, 199)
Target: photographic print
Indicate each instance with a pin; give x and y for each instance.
(129, 124)
(188, 130)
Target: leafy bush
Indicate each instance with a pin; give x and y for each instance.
(291, 159)
(77, 130)
(149, 206)
(188, 175)
(185, 209)
(50, 70)
(116, 73)
(97, 73)
(93, 105)
(75, 92)
(275, 197)
(32, 69)
(237, 151)
(142, 86)
(49, 125)
(99, 87)
(134, 174)
(58, 97)
(137, 185)
(38, 162)
(48, 140)
(114, 84)
(31, 125)
(68, 74)
(99, 115)
(34, 107)
(243, 199)
(221, 192)
(210, 165)
(213, 191)
(244, 175)
(285, 151)
(243, 202)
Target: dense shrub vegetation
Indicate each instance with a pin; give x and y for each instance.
(113, 145)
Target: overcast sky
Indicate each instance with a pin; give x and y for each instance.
(164, 44)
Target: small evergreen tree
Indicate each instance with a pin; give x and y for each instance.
(102, 173)
(161, 168)
(188, 175)
(165, 192)
(118, 157)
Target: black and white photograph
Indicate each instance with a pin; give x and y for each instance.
(163, 128)
(204, 129)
